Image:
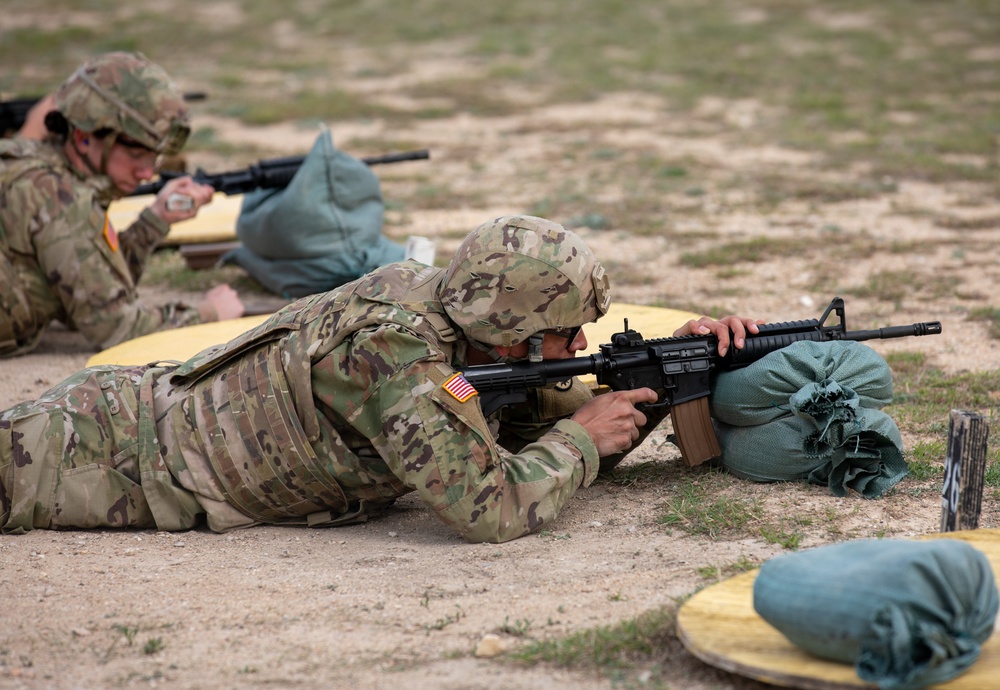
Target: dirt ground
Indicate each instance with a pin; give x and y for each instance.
(400, 600)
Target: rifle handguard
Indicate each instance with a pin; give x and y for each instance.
(273, 173)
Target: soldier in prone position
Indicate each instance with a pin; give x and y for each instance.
(342, 402)
(60, 258)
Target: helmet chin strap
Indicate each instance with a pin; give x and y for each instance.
(492, 352)
(82, 155)
(108, 142)
(535, 347)
(534, 350)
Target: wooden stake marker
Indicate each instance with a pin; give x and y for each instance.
(964, 471)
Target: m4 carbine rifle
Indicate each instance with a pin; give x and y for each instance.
(679, 369)
(274, 173)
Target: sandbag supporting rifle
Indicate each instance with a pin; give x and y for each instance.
(273, 173)
(679, 369)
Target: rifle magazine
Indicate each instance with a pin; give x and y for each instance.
(694, 433)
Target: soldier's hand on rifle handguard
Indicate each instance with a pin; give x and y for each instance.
(738, 326)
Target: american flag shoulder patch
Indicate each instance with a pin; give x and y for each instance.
(459, 388)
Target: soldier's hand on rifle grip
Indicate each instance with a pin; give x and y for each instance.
(612, 419)
(173, 212)
(738, 326)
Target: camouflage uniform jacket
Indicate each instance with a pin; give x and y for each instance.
(336, 406)
(60, 259)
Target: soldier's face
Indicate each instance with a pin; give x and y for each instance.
(553, 346)
(130, 166)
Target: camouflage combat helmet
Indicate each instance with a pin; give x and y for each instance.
(517, 276)
(126, 93)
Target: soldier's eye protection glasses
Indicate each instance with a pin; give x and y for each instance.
(568, 333)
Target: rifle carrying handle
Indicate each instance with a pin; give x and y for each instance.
(694, 432)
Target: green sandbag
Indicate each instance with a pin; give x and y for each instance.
(906, 614)
(323, 230)
(758, 393)
(797, 415)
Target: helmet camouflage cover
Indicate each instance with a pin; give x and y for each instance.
(128, 94)
(516, 276)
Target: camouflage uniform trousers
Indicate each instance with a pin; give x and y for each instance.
(77, 456)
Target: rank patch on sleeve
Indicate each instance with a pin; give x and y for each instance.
(459, 388)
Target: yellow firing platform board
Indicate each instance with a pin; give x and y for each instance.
(719, 626)
(178, 344)
(182, 343)
(215, 222)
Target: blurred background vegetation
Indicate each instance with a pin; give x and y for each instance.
(907, 87)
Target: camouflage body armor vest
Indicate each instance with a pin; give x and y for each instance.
(250, 404)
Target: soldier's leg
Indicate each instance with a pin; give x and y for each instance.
(69, 459)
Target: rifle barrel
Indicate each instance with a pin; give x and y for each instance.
(922, 328)
(420, 154)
